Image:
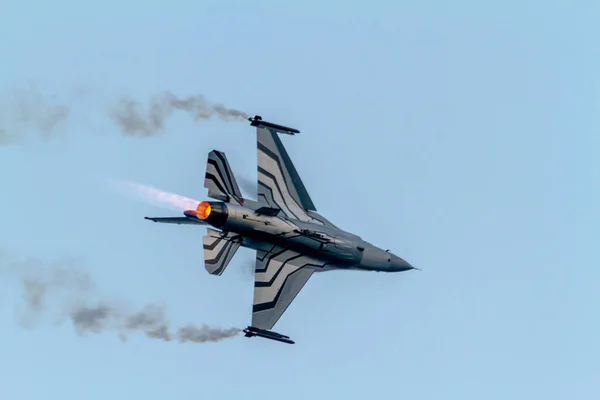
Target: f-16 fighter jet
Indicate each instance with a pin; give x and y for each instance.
(292, 240)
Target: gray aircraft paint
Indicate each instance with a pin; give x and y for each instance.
(292, 240)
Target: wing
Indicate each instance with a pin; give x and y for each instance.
(280, 275)
(279, 185)
(176, 220)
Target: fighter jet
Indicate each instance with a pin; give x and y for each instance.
(292, 240)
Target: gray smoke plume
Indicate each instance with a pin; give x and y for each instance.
(33, 108)
(28, 109)
(151, 321)
(41, 282)
(132, 120)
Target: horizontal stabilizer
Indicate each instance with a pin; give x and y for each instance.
(219, 249)
(176, 220)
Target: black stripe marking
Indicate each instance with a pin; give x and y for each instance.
(222, 259)
(221, 169)
(270, 175)
(230, 249)
(211, 177)
(266, 253)
(315, 218)
(271, 202)
(216, 241)
(218, 271)
(270, 257)
(267, 187)
(280, 268)
(303, 196)
(222, 179)
(216, 259)
(229, 173)
(260, 183)
(305, 199)
(272, 304)
(218, 169)
(213, 244)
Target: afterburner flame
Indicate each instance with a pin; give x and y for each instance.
(203, 210)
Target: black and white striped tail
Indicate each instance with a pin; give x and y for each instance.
(219, 249)
(219, 179)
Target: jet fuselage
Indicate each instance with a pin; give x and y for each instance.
(341, 249)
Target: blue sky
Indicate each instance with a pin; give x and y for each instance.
(462, 136)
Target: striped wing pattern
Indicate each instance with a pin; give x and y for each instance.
(279, 276)
(279, 185)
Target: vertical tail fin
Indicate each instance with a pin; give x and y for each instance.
(219, 179)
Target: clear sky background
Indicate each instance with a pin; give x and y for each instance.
(464, 136)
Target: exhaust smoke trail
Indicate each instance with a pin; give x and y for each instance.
(133, 121)
(28, 109)
(157, 197)
(167, 200)
(175, 202)
(40, 281)
(33, 108)
(151, 321)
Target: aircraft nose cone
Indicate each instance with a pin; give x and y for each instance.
(398, 264)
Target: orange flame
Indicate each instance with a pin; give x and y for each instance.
(203, 210)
